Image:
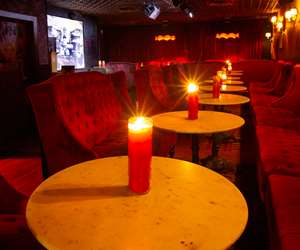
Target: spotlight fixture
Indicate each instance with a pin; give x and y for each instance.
(151, 10)
(187, 10)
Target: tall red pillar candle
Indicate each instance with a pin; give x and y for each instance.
(193, 101)
(139, 153)
(216, 89)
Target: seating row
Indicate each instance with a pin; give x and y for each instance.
(275, 105)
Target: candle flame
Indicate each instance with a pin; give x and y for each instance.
(227, 61)
(222, 75)
(139, 122)
(192, 88)
(224, 87)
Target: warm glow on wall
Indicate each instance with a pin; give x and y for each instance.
(165, 38)
(228, 35)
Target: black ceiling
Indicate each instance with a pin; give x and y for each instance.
(131, 12)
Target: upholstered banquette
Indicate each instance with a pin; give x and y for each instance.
(277, 127)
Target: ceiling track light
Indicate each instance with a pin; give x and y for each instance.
(187, 10)
(151, 10)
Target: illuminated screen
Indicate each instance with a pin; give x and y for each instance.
(68, 36)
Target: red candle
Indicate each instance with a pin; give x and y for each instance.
(193, 101)
(139, 153)
(216, 89)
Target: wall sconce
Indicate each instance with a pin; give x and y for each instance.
(279, 26)
(228, 35)
(291, 14)
(274, 20)
(165, 38)
(279, 23)
(268, 35)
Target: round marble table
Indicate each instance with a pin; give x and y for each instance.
(208, 122)
(224, 99)
(236, 73)
(224, 88)
(219, 104)
(233, 82)
(233, 78)
(227, 82)
(89, 206)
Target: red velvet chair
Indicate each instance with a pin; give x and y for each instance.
(153, 98)
(80, 116)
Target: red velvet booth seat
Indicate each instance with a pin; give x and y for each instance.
(283, 110)
(280, 82)
(265, 85)
(279, 151)
(256, 70)
(284, 204)
(81, 116)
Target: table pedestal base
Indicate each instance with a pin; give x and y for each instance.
(195, 148)
(215, 163)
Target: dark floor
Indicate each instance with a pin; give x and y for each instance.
(20, 165)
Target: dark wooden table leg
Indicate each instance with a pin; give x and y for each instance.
(195, 148)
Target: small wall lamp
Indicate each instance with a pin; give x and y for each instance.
(273, 20)
(268, 35)
(291, 14)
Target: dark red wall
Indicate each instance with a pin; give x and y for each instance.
(195, 41)
(36, 8)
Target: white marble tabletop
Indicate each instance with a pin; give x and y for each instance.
(207, 122)
(89, 206)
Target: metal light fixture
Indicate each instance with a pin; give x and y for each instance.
(151, 10)
(187, 10)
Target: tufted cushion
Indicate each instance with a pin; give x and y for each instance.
(115, 144)
(87, 105)
(284, 198)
